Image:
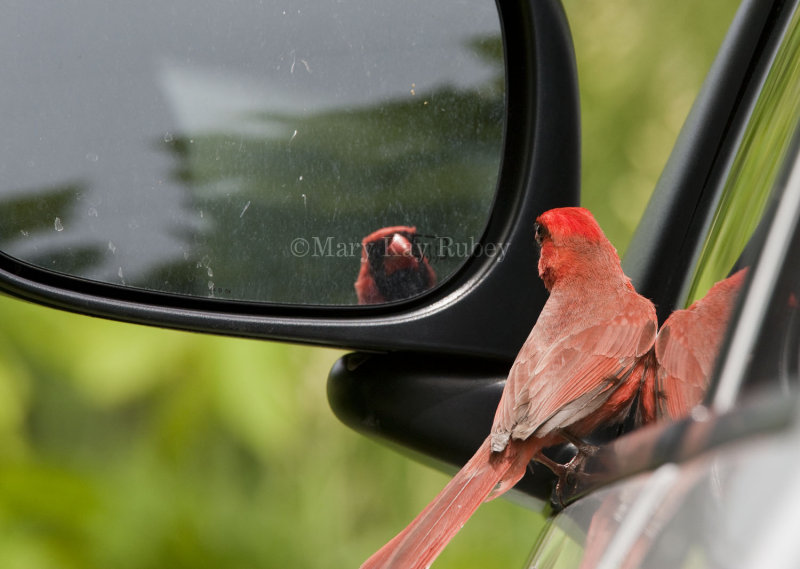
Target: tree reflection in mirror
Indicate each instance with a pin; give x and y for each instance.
(244, 151)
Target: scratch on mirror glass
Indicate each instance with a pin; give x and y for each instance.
(294, 134)
(58, 225)
(294, 63)
(205, 262)
(244, 209)
(121, 277)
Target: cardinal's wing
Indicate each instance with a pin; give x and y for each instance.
(574, 377)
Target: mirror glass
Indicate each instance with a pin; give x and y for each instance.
(244, 149)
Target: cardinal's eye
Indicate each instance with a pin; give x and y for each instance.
(540, 232)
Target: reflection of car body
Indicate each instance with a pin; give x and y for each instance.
(684, 494)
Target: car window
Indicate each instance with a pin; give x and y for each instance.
(750, 194)
(760, 181)
(765, 345)
(776, 354)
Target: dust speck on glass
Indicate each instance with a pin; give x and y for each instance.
(243, 150)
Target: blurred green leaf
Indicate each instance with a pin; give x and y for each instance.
(640, 66)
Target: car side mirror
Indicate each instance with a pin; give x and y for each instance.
(221, 179)
(287, 145)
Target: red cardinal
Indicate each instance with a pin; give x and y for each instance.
(685, 352)
(393, 266)
(574, 372)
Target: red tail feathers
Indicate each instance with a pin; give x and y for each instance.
(417, 546)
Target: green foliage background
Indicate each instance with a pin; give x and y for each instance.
(132, 447)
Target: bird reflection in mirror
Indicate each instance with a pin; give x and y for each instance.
(393, 266)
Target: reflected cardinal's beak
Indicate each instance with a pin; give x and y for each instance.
(399, 254)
